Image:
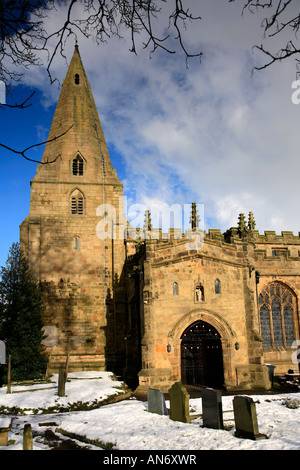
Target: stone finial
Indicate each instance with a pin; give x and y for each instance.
(194, 218)
(251, 222)
(147, 221)
(241, 222)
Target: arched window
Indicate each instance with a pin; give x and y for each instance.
(76, 79)
(278, 315)
(77, 166)
(77, 203)
(217, 286)
(175, 288)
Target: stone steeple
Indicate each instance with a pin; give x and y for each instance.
(73, 237)
(77, 123)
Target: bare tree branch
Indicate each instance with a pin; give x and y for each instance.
(280, 22)
(284, 53)
(62, 34)
(23, 105)
(24, 37)
(181, 14)
(22, 28)
(22, 152)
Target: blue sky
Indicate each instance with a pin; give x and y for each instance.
(19, 129)
(212, 133)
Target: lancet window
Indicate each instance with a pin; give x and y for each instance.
(77, 166)
(77, 203)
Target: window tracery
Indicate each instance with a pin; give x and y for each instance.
(277, 308)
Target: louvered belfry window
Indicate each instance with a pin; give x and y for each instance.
(77, 166)
(77, 203)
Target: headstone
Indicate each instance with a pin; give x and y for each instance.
(271, 369)
(27, 438)
(5, 427)
(246, 419)
(212, 412)
(179, 403)
(156, 402)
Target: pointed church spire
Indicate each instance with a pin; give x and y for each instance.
(76, 117)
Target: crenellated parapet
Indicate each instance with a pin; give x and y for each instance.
(243, 239)
(270, 236)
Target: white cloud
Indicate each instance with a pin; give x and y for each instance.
(211, 133)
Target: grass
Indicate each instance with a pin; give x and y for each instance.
(77, 406)
(78, 437)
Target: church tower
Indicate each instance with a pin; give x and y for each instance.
(74, 235)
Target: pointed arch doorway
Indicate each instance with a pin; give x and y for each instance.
(201, 356)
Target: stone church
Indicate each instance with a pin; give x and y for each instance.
(154, 309)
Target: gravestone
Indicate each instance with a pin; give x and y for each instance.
(179, 403)
(5, 427)
(156, 402)
(27, 438)
(245, 417)
(212, 413)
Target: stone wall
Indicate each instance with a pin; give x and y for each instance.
(233, 311)
(244, 265)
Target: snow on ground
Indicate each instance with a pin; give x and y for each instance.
(83, 387)
(127, 425)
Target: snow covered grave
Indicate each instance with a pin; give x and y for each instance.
(127, 424)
